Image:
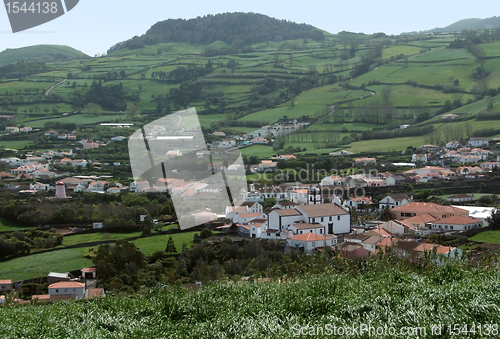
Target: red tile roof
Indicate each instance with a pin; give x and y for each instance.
(2, 282)
(67, 284)
(89, 269)
(309, 237)
(42, 297)
(457, 220)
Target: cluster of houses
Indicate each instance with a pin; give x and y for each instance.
(455, 153)
(61, 286)
(310, 217)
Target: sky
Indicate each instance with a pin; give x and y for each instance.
(93, 26)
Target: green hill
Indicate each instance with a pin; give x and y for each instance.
(235, 29)
(40, 53)
(476, 24)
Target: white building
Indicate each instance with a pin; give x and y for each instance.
(478, 142)
(394, 200)
(310, 241)
(457, 223)
(67, 288)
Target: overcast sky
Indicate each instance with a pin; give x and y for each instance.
(95, 25)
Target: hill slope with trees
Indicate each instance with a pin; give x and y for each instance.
(235, 29)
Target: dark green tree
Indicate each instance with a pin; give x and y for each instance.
(170, 246)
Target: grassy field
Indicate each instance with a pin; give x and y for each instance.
(261, 151)
(152, 244)
(6, 226)
(91, 237)
(14, 144)
(386, 145)
(490, 237)
(41, 264)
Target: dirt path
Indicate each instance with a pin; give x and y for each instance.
(54, 86)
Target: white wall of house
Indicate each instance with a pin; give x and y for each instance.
(78, 291)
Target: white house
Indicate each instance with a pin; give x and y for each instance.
(310, 241)
(67, 288)
(5, 286)
(334, 180)
(478, 142)
(394, 200)
(457, 223)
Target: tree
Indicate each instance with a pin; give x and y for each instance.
(386, 94)
(132, 111)
(206, 233)
(494, 219)
(92, 109)
(386, 214)
(170, 246)
(270, 203)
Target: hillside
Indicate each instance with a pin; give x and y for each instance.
(355, 88)
(476, 24)
(235, 29)
(389, 300)
(40, 53)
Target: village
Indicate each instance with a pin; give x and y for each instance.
(355, 213)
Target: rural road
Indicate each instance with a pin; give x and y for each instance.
(54, 86)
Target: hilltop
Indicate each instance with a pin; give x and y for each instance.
(234, 29)
(473, 23)
(41, 53)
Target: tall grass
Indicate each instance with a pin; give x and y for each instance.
(376, 296)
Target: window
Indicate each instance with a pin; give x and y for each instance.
(330, 218)
(65, 291)
(314, 244)
(300, 232)
(338, 217)
(57, 291)
(451, 227)
(314, 220)
(321, 219)
(268, 234)
(320, 231)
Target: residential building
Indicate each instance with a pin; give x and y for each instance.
(478, 142)
(67, 288)
(489, 166)
(311, 241)
(479, 212)
(10, 130)
(461, 198)
(394, 200)
(5, 286)
(457, 223)
(419, 208)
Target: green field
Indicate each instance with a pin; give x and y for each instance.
(489, 237)
(41, 264)
(6, 226)
(261, 151)
(92, 237)
(152, 244)
(14, 144)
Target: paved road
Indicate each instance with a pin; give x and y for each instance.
(54, 86)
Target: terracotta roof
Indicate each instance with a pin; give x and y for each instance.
(89, 269)
(457, 220)
(407, 245)
(381, 231)
(374, 239)
(307, 226)
(269, 230)
(426, 247)
(288, 212)
(3, 282)
(67, 284)
(385, 242)
(423, 218)
(322, 210)
(359, 237)
(309, 237)
(415, 207)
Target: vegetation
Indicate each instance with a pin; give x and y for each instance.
(373, 291)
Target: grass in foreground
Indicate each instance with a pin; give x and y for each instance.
(377, 297)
